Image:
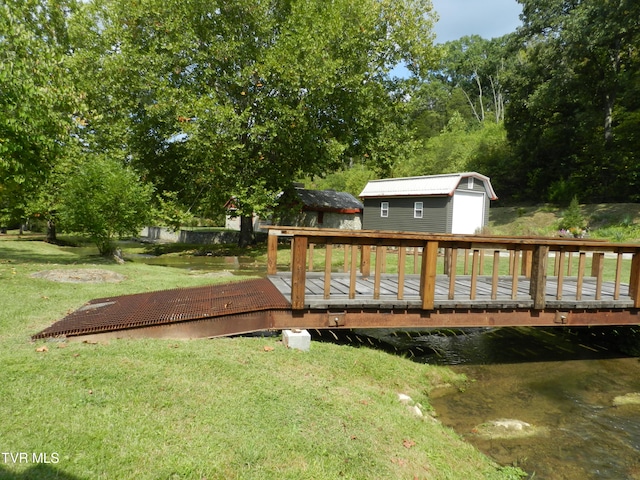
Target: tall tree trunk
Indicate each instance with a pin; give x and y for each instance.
(51, 231)
(246, 231)
(608, 118)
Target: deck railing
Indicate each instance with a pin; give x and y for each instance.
(472, 256)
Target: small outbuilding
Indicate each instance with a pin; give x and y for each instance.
(448, 203)
(300, 207)
(321, 209)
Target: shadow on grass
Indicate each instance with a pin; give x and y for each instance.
(31, 250)
(40, 471)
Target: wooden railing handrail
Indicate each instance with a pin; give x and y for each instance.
(535, 254)
(392, 238)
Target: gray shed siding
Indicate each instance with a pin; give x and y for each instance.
(437, 214)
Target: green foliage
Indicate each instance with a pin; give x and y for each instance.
(36, 100)
(458, 148)
(572, 219)
(571, 90)
(351, 180)
(239, 99)
(103, 200)
(169, 212)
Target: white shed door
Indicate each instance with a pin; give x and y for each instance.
(468, 212)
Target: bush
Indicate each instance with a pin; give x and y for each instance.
(104, 199)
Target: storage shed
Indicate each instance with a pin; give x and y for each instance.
(448, 203)
(322, 209)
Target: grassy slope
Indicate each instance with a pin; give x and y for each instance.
(225, 408)
(616, 222)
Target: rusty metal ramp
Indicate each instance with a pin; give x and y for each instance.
(199, 311)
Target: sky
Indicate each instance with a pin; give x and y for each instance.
(457, 18)
(487, 18)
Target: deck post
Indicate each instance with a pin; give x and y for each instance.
(428, 275)
(634, 280)
(298, 272)
(538, 276)
(272, 253)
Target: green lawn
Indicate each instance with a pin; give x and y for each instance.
(202, 409)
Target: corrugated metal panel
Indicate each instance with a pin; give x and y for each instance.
(425, 185)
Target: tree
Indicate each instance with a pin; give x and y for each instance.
(221, 99)
(570, 95)
(104, 199)
(475, 67)
(36, 98)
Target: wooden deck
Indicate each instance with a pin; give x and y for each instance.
(388, 297)
(339, 279)
(405, 279)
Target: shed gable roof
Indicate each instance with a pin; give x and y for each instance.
(427, 185)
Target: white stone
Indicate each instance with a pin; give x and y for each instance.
(404, 399)
(298, 339)
(415, 410)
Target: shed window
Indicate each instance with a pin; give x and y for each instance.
(470, 183)
(384, 209)
(418, 209)
(320, 218)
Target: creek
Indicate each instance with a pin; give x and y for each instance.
(563, 382)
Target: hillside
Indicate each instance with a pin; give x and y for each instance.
(614, 221)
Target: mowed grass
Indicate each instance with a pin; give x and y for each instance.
(231, 408)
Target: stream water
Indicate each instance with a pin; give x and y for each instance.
(562, 382)
(559, 382)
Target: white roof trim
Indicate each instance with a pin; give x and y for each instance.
(427, 185)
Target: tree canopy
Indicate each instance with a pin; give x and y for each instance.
(220, 99)
(36, 98)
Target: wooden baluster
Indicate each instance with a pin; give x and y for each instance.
(327, 270)
(272, 253)
(560, 263)
(310, 263)
(512, 267)
(298, 272)
(365, 260)
(428, 275)
(481, 265)
(494, 274)
(569, 263)
(383, 256)
(581, 265)
(597, 267)
(475, 264)
(616, 288)
(416, 252)
(526, 263)
(539, 276)
(466, 261)
(352, 271)
(402, 255)
(447, 261)
(514, 276)
(345, 266)
(380, 258)
(452, 273)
